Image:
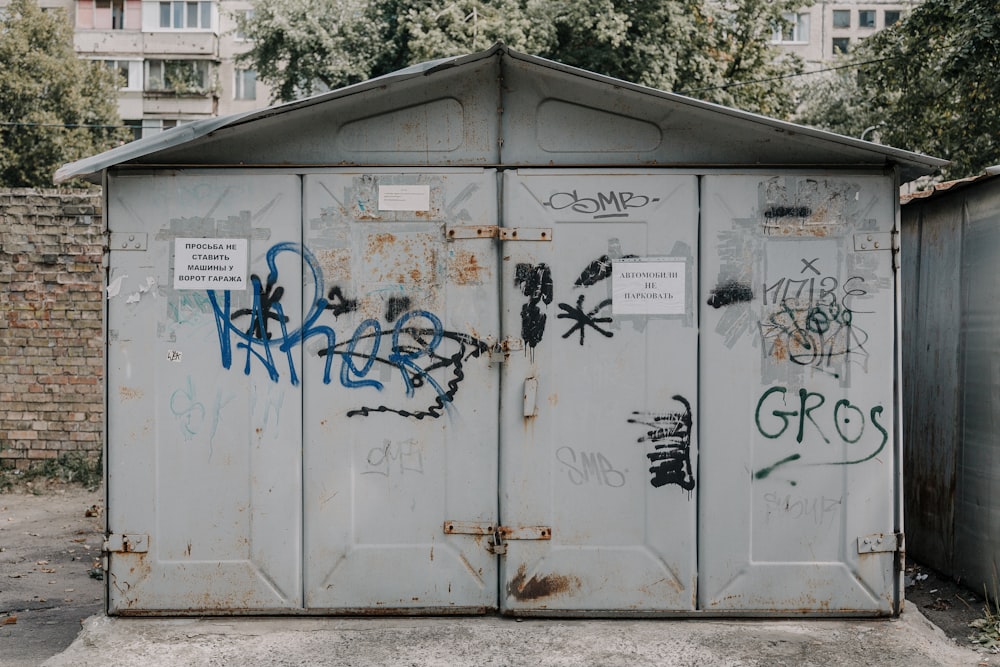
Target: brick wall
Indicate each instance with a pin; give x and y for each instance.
(51, 336)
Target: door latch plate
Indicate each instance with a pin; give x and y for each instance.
(880, 543)
(132, 543)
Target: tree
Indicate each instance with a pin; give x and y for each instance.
(712, 49)
(929, 84)
(54, 107)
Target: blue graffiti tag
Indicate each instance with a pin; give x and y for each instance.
(415, 338)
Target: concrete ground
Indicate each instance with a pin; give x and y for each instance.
(47, 587)
(909, 641)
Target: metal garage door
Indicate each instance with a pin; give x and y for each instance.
(548, 392)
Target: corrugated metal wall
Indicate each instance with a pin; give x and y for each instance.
(951, 382)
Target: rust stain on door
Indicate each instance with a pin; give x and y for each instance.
(521, 587)
(464, 269)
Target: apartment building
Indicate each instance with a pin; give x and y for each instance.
(175, 58)
(823, 30)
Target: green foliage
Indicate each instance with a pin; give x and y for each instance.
(930, 84)
(833, 101)
(987, 628)
(49, 98)
(87, 471)
(711, 49)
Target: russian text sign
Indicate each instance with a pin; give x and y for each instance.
(210, 264)
(648, 287)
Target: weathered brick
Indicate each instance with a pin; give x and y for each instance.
(51, 248)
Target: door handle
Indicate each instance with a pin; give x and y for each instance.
(530, 397)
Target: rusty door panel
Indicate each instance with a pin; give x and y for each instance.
(598, 406)
(203, 445)
(400, 395)
(799, 413)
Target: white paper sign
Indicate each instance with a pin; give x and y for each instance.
(648, 287)
(210, 264)
(404, 197)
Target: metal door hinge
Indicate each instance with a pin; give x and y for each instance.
(128, 240)
(494, 232)
(498, 535)
(880, 543)
(525, 233)
(870, 241)
(476, 232)
(131, 544)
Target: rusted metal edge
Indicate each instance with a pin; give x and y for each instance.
(506, 532)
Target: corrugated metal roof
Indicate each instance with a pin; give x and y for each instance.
(812, 144)
(939, 189)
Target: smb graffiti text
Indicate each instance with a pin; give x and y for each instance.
(600, 205)
(589, 468)
(415, 346)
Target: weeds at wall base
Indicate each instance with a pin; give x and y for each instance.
(85, 471)
(987, 635)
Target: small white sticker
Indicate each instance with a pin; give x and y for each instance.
(648, 287)
(404, 197)
(115, 286)
(210, 264)
(174, 356)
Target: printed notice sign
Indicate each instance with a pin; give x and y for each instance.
(648, 287)
(210, 264)
(404, 197)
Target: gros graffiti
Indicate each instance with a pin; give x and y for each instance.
(809, 416)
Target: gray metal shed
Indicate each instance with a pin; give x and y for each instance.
(496, 333)
(951, 379)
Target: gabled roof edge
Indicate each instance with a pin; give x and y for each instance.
(914, 164)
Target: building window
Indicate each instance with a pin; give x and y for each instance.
(892, 17)
(246, 85)
(135, 127)
(109, 14)
(129, 73)
(794, 31)
(841, 18)
(182, 77)
(866, 18)
(151, 126)
(841, 45)
(242, 16)
(182, 15)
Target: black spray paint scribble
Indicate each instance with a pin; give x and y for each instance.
(338, 304)
(396, 306)
(467, 348)
(671, 439)
(729, 293)
(267, 307)
(535, 282)
(583, 320)
(597, 270)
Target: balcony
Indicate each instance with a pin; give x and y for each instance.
(170, 43)
(92, 42)
(168, 104)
